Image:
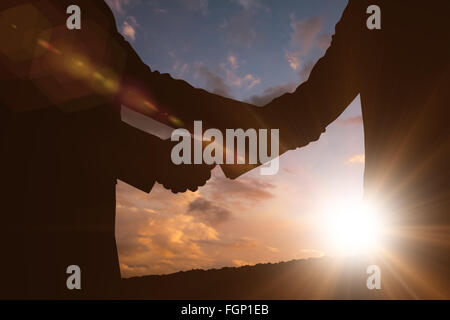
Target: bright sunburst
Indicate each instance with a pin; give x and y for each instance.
(353, 227)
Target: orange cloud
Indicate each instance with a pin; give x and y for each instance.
(128, 31)
(293, 58)
(241, 263)
(162, 233)
(118, 5)
(351, 120)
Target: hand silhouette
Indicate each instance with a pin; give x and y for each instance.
(182, 177)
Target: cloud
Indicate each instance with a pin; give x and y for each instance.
(230, 69)
(271, 93)
(128, 28)
(195, 5)
(242, 243)
(238, 29)
(357, 158)
(241, 263)
(180, 69)
(159, 239)
(305, 33)
(118, 6)
(312, 252)
(205, 211)
(293, 59)
(213, 82)
(351, 121)
(245, 189)
(160, 11)
(306, 36)
(249, 4)
(128, 31)
(233, 61)
(251, 81)
(324, 41)
(223, 85)
(276, 91)
(160, 233)
(306, 69)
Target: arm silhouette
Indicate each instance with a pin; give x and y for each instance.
(332, 85)
(143, 159)
(171, 98)
(301, 116)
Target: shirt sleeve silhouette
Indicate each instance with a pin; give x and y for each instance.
(143, 159)
(301, 116)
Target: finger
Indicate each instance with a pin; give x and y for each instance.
(193, 188)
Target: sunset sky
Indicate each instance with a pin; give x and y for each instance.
(251, 50)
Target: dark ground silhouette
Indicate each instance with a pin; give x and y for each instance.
(297, 279)
(314, 278)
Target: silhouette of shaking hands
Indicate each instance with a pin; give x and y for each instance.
(182, 177)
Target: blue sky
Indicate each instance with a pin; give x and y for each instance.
(177, 33)
(251, 50)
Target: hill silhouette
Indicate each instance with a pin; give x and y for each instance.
(314, 278)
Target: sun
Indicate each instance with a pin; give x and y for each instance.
(353, 227)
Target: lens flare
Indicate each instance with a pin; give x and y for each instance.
(150, 106)
(175, 121)
(353, 227)
(48, 46)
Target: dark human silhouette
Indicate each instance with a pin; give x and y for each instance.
(402, 74)
(63, 146)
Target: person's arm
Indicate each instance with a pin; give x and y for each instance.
(301, 116)
(166, 99)
(177, 103)
(143, 159)
(138, 157)
(333, 84)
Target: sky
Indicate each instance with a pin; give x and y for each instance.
(251, 50)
